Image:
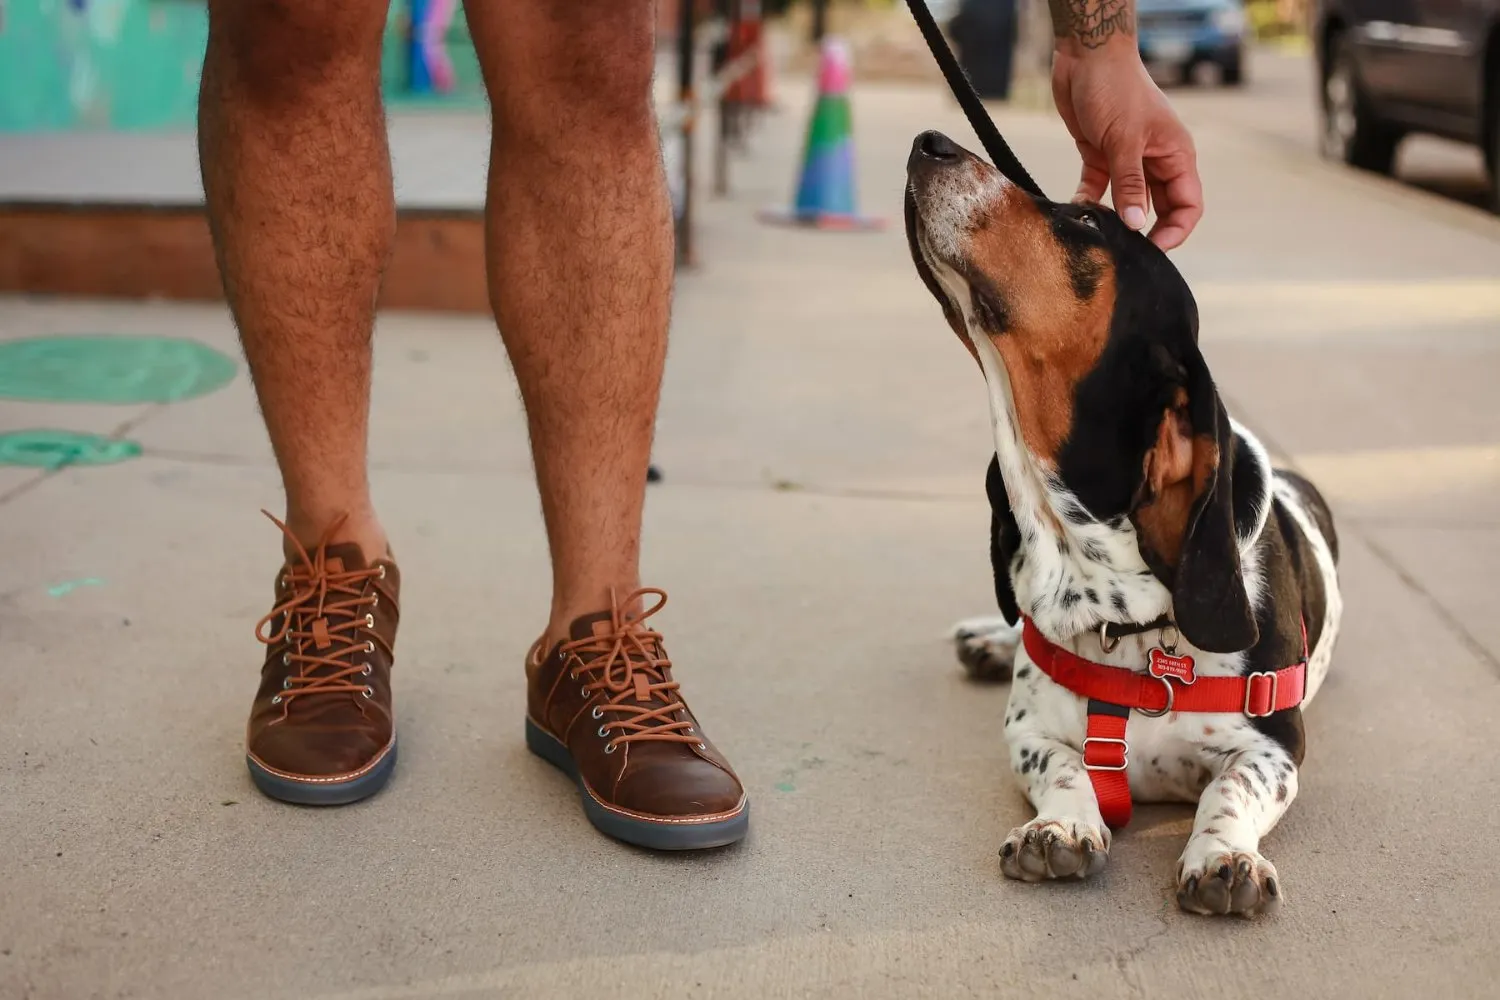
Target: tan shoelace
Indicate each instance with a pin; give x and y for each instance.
(323, 619)
(630, 664)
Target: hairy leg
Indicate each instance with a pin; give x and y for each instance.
(580, 268)
(297, 176)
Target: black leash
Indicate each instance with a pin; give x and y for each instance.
(994, 143)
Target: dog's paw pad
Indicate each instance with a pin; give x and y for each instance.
(1240, 884)
(1049, 849)
(986, 647)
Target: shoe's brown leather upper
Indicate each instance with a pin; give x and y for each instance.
(607, 693)
(323, 710)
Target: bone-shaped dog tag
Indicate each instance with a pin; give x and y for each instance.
(1165, 664)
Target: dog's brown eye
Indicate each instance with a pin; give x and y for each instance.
(1089, 219)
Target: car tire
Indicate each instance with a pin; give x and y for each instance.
(1232, 70)
(1492, 147)
(1352, 134)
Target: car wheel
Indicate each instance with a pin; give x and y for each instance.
(1492, 152)
(1232, 70)
(1351, 132)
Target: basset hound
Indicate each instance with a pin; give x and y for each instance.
(1169, 602)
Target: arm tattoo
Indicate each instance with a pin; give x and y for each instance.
(1092, 22)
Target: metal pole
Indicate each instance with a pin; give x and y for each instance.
(819, 20)
(686, 23)
(729, 14)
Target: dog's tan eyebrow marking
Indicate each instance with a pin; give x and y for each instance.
(1053, 334)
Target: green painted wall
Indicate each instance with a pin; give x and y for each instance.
(135, 64)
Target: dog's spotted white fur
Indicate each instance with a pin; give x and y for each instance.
(1242, 779)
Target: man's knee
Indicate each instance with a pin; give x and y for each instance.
(590, 62)
(281, 48)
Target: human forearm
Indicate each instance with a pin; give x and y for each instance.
(1093, 27)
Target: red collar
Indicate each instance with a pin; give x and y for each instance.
(1170, 684)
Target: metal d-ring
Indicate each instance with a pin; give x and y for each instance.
(1107, 642)
(1171, 696)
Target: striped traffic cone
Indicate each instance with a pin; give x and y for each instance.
(825, 191)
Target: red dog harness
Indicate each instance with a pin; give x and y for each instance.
(1169, 685)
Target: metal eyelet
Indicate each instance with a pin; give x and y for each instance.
(602, 733)
(369, 621)
(276, 700)
(381, 574)
(286, 684)
(367, 670)
(609, 749)
(702, 746)
(597, 713)
(689, 729)
(369, 646)
(286, 659)
(375, 601)
(369, 692)
(584, 692)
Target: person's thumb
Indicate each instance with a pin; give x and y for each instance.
(1127, 182)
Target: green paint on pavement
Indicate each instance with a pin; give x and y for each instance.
(67, 587)
(105, 369)
(48, 449)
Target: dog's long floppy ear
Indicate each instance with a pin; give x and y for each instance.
(1186, 517)
(1005, 539)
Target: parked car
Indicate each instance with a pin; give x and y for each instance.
(1388, 68)
(1181, 35)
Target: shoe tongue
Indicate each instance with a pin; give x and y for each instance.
(598, 626)
(590, 626)
(343, 557)
(339, 557)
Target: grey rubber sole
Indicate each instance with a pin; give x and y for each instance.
(664, 836)
(333, 793)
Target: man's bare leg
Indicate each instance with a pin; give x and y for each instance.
(298, 183)
(580, 266)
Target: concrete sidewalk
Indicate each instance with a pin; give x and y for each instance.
(821, 524)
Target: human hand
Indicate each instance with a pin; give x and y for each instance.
(1131, 140)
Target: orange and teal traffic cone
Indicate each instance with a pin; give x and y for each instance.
(825, 192)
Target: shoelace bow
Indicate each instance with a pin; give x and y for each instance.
(630, 664)
(321, 622)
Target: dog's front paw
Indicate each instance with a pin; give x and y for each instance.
(1216, 882)
(1049, 848)
(986, 647)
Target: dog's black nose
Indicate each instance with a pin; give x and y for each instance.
(936, 146)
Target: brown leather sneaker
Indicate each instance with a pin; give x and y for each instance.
(604, 708)
(321, 730)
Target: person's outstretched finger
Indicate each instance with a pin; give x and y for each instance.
(1127, 182)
